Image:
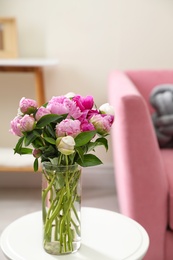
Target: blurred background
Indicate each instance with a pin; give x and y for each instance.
(90, 38)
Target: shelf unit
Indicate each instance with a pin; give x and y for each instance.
(26, 65)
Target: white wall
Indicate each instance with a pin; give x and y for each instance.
(90, 38)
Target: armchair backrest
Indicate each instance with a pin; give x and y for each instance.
(145, 80)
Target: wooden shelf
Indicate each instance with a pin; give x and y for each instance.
(25, 65)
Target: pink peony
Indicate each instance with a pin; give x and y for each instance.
(55, 105)
(73, 110)
(42, 111)
(92, 113)
(87, 126)
(27, 123)
(27, 106)
(57, 100)
(84, 103)
(102, 123)
(68, 127)
(15, 126)
(62, 105)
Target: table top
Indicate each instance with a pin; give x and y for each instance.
(105, 235)
(28, 62)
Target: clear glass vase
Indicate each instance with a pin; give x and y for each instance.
(61, 208)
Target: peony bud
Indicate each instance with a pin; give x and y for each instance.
(36, 153)
(102, 123)
(106, 109)
(70, 95)
(27, 106)
(65, 145)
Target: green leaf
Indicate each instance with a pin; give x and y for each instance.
(45, 104)
(49, 131)
(37, 143)
(30, 137)
(47, 119)
(103, 141)
(100, 141)
(54, 160)
(91, 146)
(80, 152)
(60, 183)
(50, 140)
(48, 151)
(89, 160)
(19, 145)
(25, 151)
(35, 165)
(83, 138)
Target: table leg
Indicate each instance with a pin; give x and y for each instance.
(39, 84)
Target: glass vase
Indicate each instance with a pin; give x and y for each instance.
(61, 208)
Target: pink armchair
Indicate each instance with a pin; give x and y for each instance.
(143, 171)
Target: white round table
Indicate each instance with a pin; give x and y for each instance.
(106, 235)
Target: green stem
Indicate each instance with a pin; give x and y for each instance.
(76, 215)
(53, 203)
(60, 158)
(59, 213)
(77, 228)
(67, 215)
(66, 159)
(44, 196)
(56, 229)
(70, 238)
(55, 212)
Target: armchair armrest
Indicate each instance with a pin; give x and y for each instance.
(140, 179)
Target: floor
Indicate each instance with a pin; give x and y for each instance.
(15, 203)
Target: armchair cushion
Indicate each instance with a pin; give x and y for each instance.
(161, 99)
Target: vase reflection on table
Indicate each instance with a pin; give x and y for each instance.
(62, 135)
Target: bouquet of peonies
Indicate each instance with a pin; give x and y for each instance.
(63, 131)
